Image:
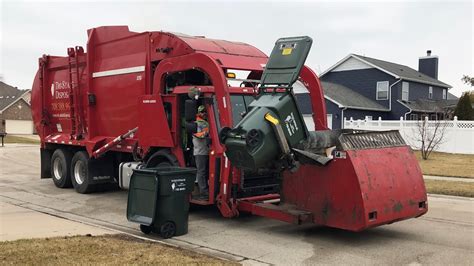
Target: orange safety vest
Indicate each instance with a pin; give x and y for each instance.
(202, 128)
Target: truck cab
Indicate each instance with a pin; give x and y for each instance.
(242, 92)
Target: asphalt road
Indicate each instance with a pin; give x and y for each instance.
(444, 236)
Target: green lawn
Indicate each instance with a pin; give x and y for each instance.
(447, 164)
(453, 188)
(99, 250)
(20, 139)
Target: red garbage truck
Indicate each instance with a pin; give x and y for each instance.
(122, 103)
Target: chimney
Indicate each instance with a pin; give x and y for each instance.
(428, 65)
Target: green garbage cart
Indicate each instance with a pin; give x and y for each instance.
(267, 135)
(158, 199)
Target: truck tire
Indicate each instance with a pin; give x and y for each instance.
(60, 168)
(80, 173)
(161, 158)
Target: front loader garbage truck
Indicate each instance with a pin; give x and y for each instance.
(128, 101)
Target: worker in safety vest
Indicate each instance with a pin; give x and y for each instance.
(201, 151)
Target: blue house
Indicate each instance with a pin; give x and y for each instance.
(367, 88)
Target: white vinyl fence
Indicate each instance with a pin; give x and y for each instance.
(458, 135)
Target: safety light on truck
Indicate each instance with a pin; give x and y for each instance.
(230, 75)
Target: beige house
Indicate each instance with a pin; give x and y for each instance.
(15, 110)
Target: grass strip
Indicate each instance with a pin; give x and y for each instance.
(103, 250)
(447, 164)
(453, 188)
(22, 140)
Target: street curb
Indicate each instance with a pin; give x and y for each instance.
(448, 176)
(450, 197)
(450, 179)
(135, 233)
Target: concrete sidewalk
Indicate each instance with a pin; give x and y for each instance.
(20, 223)
(449, 178)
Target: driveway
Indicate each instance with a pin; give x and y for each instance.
(444, 236)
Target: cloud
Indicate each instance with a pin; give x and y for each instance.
(396, 31)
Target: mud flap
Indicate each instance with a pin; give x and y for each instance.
(45, 155)
(102, 170)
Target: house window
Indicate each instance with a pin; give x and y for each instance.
(405, 91)
(433, 117)
(430, 92)
(382, 90)
(413, 116)
(444, 94)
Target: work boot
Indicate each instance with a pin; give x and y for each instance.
(201, 196)
(195, 191)
(204, 196)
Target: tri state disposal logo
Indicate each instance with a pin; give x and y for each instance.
(291, 124)
(60, 89)
(178, 184)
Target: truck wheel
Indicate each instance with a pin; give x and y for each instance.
(164, 164)
(167, 230)
(80, 173)
(161, 159)
(60, 164)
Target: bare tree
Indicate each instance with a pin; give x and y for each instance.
(429, 135)
(468, 80)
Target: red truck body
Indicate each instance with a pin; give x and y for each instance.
(87, 101)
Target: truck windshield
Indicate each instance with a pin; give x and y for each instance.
(240, 106)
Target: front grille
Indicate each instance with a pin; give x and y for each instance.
(360, 140)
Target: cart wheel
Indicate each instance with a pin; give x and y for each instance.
(167, 230)
(145, 229)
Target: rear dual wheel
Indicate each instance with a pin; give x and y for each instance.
(71, 171)
(80, 173)
(60, 168)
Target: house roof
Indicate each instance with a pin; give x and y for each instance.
(429, 106)
(393, 69)
(9, 95)
(342, 96)
(345, 97)
(452, 96)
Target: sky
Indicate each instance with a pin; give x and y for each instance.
(398, 32)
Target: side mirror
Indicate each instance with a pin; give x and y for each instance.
(190, 110)
(191, 127)
(223, 134)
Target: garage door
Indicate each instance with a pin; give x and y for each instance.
(19, 126)
(329, 119)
